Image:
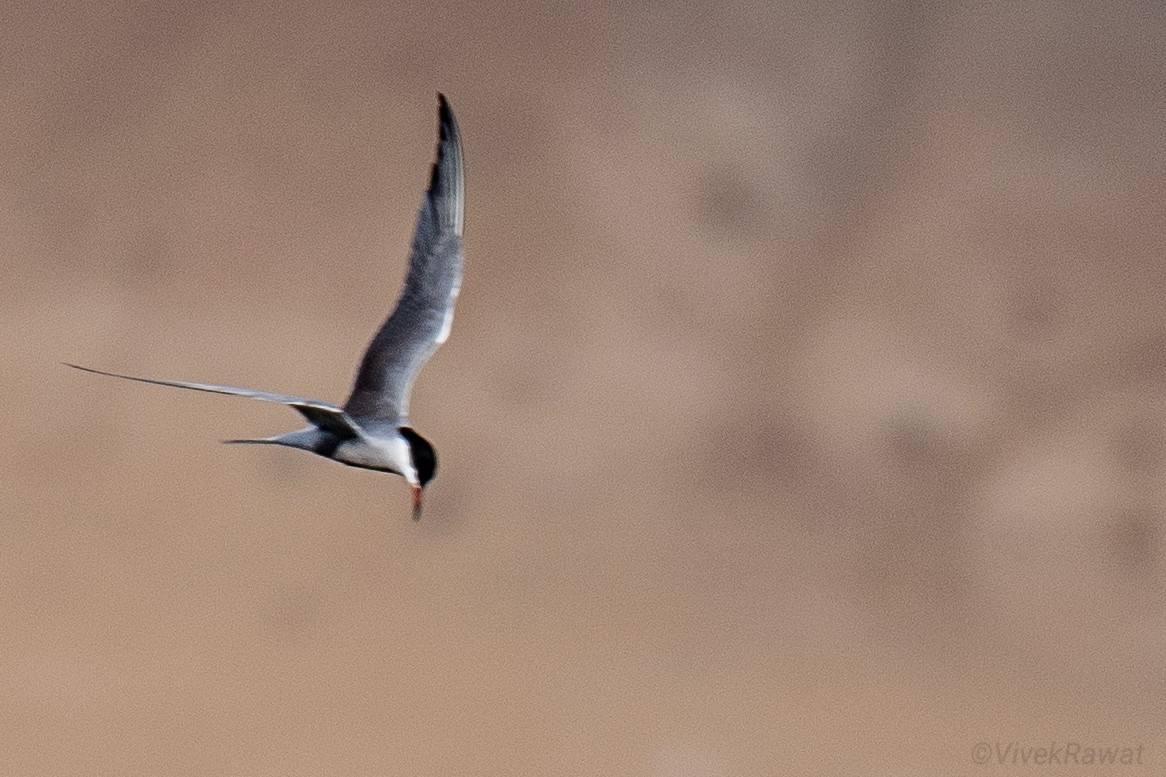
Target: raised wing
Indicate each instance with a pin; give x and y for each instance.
(424, 312)
(321, 414)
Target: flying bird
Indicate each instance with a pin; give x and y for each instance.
(372, 429)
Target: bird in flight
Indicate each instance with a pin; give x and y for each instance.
(372, 429)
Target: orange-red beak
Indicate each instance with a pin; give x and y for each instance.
(417, 494)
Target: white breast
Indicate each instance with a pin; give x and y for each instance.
(384, 453)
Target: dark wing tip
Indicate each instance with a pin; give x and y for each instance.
(446, 127)
(446, 178)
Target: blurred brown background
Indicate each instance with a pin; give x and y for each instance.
(805, 413)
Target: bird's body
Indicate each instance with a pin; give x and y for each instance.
(372, 429)
(385, 450)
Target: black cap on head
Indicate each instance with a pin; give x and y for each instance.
(424, 455)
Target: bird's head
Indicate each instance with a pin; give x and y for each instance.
(424, 460)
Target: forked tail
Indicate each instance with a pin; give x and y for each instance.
(308, 439)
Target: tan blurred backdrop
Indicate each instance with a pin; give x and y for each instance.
(805, 412)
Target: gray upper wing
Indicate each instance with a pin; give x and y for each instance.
(321, 414)
(424, 312)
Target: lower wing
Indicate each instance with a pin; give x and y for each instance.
(321, 414)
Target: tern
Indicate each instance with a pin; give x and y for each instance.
(372, 429)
